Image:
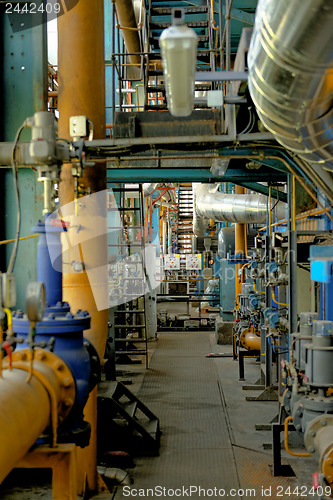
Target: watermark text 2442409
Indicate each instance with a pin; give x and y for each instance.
(32, 8)
(23, 15)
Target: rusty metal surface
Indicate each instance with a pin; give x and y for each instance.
(255, 473)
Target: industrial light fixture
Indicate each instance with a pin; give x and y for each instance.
(178, 45)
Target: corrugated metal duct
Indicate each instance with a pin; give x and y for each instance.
(291, 77)
(211, 204)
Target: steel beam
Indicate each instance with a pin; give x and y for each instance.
(259, 188)
(186, 174)
(221, 76)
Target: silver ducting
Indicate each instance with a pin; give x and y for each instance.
(290, 76)
(149, 187)
(129, 29)
(246, 208)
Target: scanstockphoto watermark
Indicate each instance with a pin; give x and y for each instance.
(23, 15)
(276, 491)
(187, 491)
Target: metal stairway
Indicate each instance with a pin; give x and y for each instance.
(159, 18)
(125, 421)
(184, 230)
(130, 322)
(185, 219)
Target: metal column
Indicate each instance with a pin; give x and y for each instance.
(82, 92)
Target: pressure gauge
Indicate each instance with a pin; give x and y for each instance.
(35, 301)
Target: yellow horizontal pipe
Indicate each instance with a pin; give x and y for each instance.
(29, 404)
(4, 242)
(24, 414)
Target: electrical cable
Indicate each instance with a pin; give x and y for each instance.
(17, 195)
(274, 347)
(251, 122)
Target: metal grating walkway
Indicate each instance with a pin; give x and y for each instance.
(181, 386)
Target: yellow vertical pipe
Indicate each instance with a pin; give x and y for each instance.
(212, 225)
(240, 245)
(82, 92)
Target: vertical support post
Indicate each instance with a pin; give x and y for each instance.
(240, 242)
(292, 286)
(109, 47)
(62, 461)
(82, 92)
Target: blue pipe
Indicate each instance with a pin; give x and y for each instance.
(49, 273)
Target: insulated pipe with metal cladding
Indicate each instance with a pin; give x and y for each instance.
(149, 187)
(128, 26)
(290, 75)
(239, 208)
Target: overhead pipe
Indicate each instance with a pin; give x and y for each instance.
(290, 75)
(238, 208)
(127, 23)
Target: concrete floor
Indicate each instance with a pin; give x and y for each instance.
(209, 437)
(208, 428)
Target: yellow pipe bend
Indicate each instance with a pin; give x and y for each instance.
(286, 443)
(278, 303)
(27, 408)
(250, 339)
(254, 288)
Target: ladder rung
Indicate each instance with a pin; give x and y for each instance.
(156, 25)
(123, 209)
(154, 90)
(139, 352)
(126, 245)
(201, 38)
(126, 227)
(126, 190)
(159, 11)
(130, 326)
(131, 340)
(132, 311)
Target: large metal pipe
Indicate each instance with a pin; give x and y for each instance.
(127, 23)
(149, 187)
(24, 414)
(242, 208)
(291, 84)
(25, 402)
(82, 92)
(250, 339)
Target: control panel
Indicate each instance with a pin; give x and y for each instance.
(194, 262)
